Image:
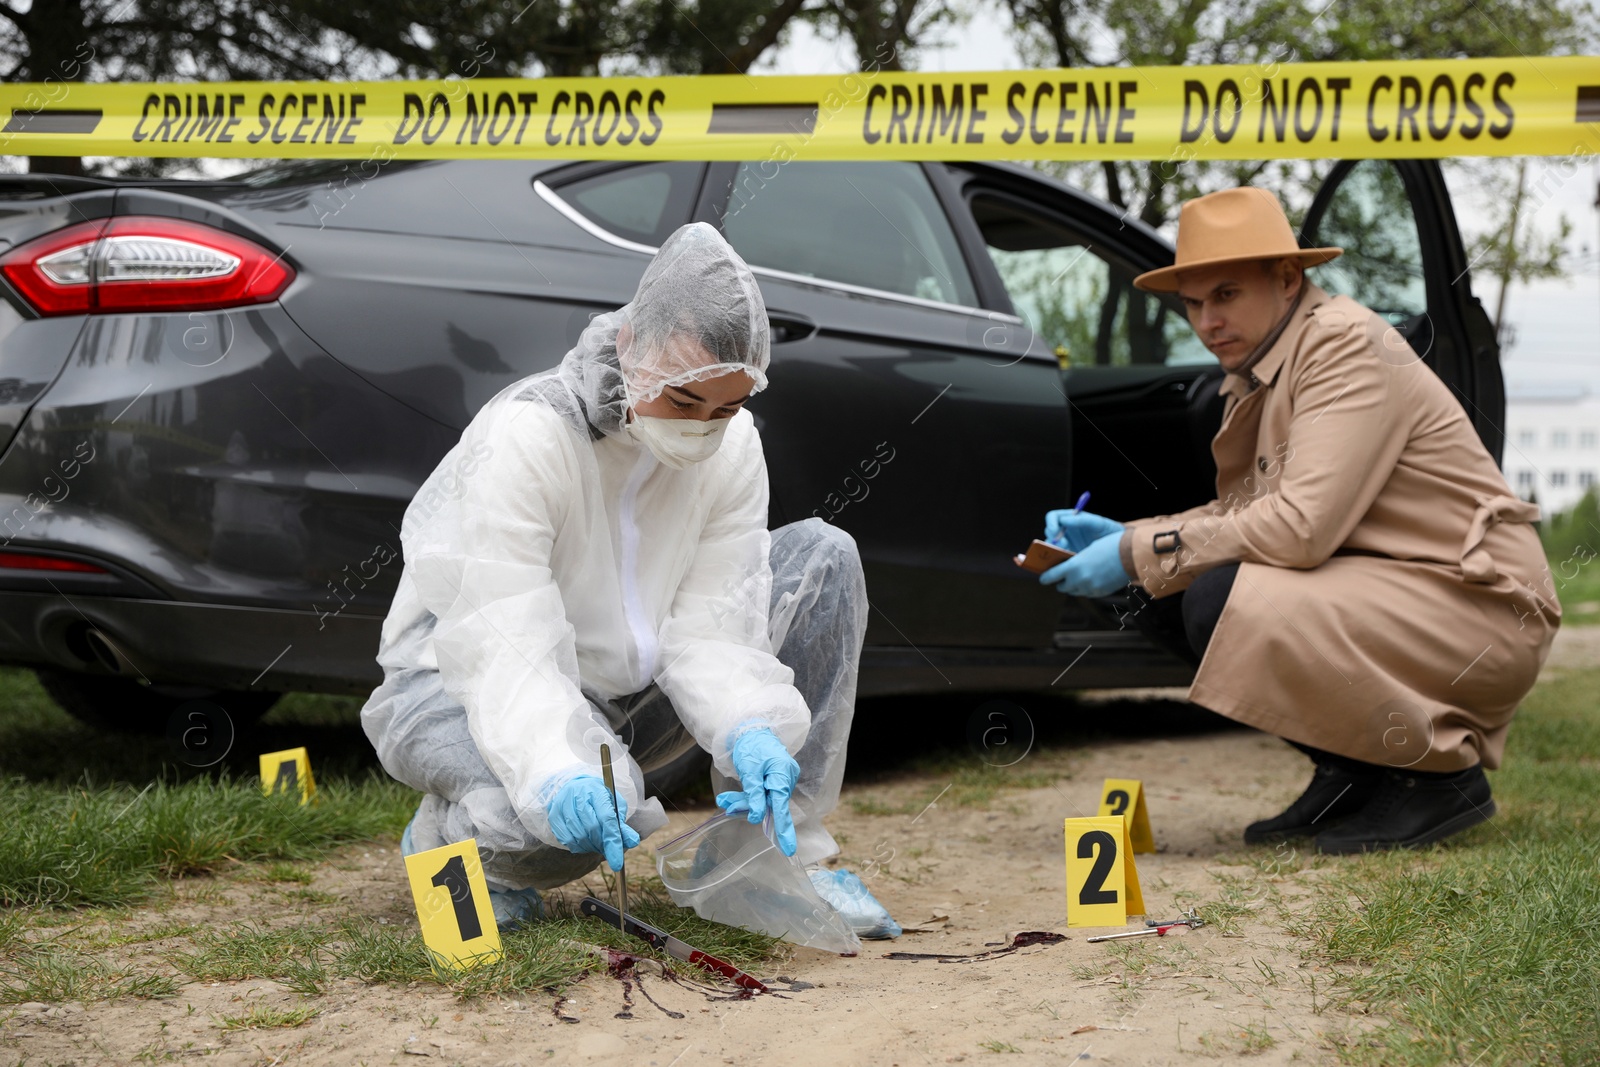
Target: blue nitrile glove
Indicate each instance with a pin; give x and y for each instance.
(768, 774)
(1096, 571)
(582, 819)
(1077, 530)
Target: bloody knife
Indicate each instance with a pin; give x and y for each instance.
(665, 942)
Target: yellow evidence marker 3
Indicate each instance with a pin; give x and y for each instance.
(1125, 797)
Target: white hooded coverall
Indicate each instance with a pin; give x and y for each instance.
(562, 588)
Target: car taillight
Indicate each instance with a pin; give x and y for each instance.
(143, 263)
(27, 561)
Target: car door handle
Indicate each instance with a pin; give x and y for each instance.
(787, 328)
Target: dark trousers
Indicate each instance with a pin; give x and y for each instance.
(1183, 625)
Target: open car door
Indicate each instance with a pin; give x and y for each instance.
(1404, 259)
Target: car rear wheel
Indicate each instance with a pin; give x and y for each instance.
(121, 705)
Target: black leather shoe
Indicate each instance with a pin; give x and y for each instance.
(1336, 791)
(1408, 811)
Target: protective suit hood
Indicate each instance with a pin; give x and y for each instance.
(696, 287)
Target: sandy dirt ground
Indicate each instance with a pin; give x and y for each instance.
(962, 877)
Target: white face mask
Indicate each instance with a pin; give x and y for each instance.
(678, 442)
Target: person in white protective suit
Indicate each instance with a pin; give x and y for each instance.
(590, 564)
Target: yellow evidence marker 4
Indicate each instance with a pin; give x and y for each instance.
(1125, 797)
(1102, 879)
(453, 907)
(288, 771)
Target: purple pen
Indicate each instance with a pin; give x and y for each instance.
(1077, 508)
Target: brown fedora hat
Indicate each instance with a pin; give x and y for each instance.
(1227, 227)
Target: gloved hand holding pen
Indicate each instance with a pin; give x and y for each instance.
(1097, 569)
(1076, 530)
(768, 774)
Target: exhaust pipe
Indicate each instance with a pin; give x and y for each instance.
(107, 654)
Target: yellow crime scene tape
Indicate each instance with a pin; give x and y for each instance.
(1422, 108)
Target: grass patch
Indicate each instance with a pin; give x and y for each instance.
(549, 953)
(1225, 916)
(998, 1046)
(110, 846)
(12, 924)
(1578, 589)
(99, 820)
(161, 931)
(286, 872)
(376, 952)
(261, 1017)
(1572, 545)
(1484, 952)
(545, 954)
(311, 898)
(1249, 1040)
(251, 951)
(51, 974)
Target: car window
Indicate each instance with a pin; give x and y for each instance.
(1370, 217)
(1077, 297)
(643, 203)
(873, 224)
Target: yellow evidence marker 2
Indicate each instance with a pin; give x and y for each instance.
(288, 771)
(1102, 880)
(1125, 797)
(453, 907)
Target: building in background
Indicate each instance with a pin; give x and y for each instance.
(1552, 449)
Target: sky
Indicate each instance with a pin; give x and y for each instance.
(1555, 323)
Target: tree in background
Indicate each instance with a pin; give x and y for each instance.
(1154, 33)
(708, 37)
(885, 33)
(1166, 32)
(64, 41)
(1508, 248)
(1572, 545)
(1515, 251)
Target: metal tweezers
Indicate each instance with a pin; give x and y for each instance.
(1156, 927)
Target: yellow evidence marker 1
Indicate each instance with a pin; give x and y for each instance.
(288, 771)
(1125, 796)
(453, 907)
(1102, 880)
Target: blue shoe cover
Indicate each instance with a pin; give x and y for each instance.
(854, 903)
(407, 846)
(513, 907)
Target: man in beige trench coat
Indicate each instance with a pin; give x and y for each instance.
(1365, 585)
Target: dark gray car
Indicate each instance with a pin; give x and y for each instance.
(217, 399)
